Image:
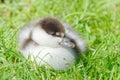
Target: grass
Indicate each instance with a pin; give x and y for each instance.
(97, 21)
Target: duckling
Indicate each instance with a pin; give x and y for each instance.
(51, 42)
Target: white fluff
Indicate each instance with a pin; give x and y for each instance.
(46, 50)
(58, 58)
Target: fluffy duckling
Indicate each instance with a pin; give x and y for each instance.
(51, 42)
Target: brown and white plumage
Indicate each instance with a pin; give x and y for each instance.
(51, 42)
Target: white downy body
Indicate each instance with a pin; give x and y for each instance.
(45, 49)
(58, 58)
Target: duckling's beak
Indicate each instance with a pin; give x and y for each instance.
(67, 43)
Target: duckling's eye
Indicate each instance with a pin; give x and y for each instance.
(56, 34)
(53, 34)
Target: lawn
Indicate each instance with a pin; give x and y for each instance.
(97, 21)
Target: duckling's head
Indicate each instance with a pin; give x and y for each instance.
(50, 32)
(52, 27)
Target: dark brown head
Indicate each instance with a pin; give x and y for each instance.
(52, 26)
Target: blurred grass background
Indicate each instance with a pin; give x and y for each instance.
(97, 21)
